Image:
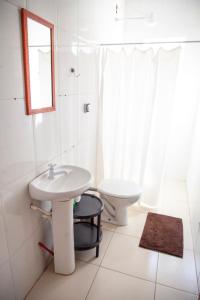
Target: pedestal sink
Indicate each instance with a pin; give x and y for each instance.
(61, 190)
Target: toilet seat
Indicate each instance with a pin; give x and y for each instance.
(122, 189)
(117, 196)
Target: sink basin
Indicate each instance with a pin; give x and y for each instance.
(71, 183)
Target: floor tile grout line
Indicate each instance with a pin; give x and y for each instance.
(107, 248)
(38, 279)
(179, 290)
(129, 275)
(154, 282)
(111, 230)
(127, 234)
(156, 276)
(138, 238)
(114, 233)
(92, 283)
(99, 267)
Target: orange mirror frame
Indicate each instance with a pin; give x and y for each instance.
(30, 109)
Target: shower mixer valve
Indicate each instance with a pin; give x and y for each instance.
(86, 107)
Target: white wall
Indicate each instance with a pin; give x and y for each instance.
(193, 184)
(183, 116)
(174, 19)
(29, 143)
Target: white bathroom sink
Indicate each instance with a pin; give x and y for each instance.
(70, 184)
(61, 185)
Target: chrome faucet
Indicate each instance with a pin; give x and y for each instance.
(53, 173)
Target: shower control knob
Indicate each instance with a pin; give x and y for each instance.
(86, 107)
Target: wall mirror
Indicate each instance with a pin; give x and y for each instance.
(38, 51)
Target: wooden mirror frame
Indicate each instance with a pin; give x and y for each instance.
(25, 14)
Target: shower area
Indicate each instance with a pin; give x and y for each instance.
(148, 128)
(149, 98)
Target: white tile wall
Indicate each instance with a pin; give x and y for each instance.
(69, 157)
(86, 21)
(86, 155)
(46, 9)
(67, 22)
(87, 121)
(7, 290)
(97, 21)
(4, 255)
(20, 3)
(88, 66)
(46, 137)
(27, 265)
(194, 193)
(16, 142)
(29, 143)
(67, 59)
(20, 221)
(68, 122)
(11, 54)
(3, 247)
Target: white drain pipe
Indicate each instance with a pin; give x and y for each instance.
(44, 212)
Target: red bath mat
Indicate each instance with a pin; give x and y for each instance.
(163, 233)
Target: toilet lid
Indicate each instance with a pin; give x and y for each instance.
(119, 188)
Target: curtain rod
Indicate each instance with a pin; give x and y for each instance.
(149, 43)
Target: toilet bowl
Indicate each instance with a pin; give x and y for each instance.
(117, 196)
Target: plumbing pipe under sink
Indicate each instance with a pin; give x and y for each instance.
(44, 212)
(43, 246)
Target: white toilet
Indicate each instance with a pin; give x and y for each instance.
(117, 196)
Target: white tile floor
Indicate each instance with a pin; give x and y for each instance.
(124, 270)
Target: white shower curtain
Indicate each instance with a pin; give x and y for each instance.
(136, 102)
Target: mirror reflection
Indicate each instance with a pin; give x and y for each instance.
(39, 48)
(39, 77)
